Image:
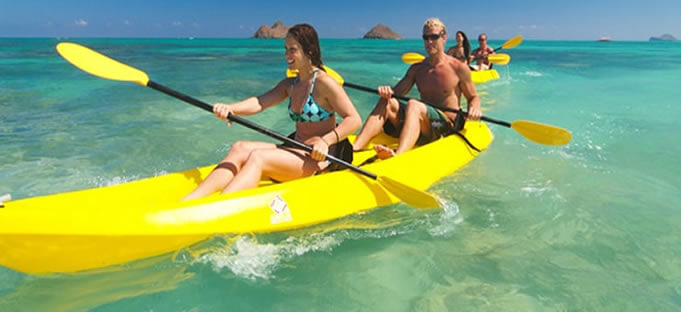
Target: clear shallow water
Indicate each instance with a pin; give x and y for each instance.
(593, 225)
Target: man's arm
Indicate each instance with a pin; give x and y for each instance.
(407, 82)
(468, 89)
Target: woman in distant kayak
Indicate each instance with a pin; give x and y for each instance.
(462, 49)
(315, 99)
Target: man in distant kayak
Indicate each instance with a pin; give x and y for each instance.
(441, 79)
(481, 54)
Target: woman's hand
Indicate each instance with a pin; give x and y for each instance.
(385, 92)
(222, 111)
(319, 148)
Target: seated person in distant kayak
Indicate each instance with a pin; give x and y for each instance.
(481, 54)
(440, 79)
(315, 99)
(462, 50)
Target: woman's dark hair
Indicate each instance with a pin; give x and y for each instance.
(466, 45)
(307, 37)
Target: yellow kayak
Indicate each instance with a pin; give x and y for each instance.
(482, 76)
(100, 227)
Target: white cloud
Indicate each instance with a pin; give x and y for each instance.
(177, 24)
(532, 27)
(127, 23)
(80, 22)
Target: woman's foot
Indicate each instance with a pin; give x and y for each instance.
(383, 152)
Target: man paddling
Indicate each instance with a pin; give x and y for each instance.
(482, 53)
(440, 79)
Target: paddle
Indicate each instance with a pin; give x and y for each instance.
(413, 58)
(534, 131)
(510, 43)
(102, 66)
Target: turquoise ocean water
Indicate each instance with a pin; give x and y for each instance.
(591, 226)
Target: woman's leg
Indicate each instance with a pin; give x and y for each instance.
(227, 168)
(281, 164)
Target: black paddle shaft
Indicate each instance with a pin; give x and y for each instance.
(253, 126)
(440, 107)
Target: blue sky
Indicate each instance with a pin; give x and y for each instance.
(534, 19)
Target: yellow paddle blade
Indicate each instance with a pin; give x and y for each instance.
(409, 195)
(100, 65)
(333, 74)
(292, 73)
(412, 58)
(500, 58)
(512, 43)
(542, 133)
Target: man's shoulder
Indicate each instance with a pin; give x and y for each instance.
(417, 66)
(456, 63)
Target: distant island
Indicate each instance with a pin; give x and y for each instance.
(278, 31)
(665, 37)
(381, 31)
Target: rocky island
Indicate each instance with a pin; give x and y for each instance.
(381, 31)
(278, 30)
(665, 37)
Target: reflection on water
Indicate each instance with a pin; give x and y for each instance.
(84, 291)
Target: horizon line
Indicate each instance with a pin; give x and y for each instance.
(321, 38)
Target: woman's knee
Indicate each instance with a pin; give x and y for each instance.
(239, 151)
(257, 158)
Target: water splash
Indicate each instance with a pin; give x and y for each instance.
(532, 74)
(260, 257)
(447, 220)
(248, 258)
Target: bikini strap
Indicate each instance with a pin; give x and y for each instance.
(314, 79)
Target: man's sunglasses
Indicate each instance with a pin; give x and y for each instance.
(432, 37)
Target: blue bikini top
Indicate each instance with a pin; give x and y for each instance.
(311, 111)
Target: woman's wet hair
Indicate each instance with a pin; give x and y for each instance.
(466, 44)
(309, 41)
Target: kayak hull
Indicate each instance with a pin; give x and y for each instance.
(95, 228)
(482, 76)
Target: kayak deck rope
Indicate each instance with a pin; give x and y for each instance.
(465, 139)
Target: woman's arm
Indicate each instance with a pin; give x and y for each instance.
(339, 101)
(253, 105)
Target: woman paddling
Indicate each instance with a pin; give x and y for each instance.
(462, 49)
(315, 99)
